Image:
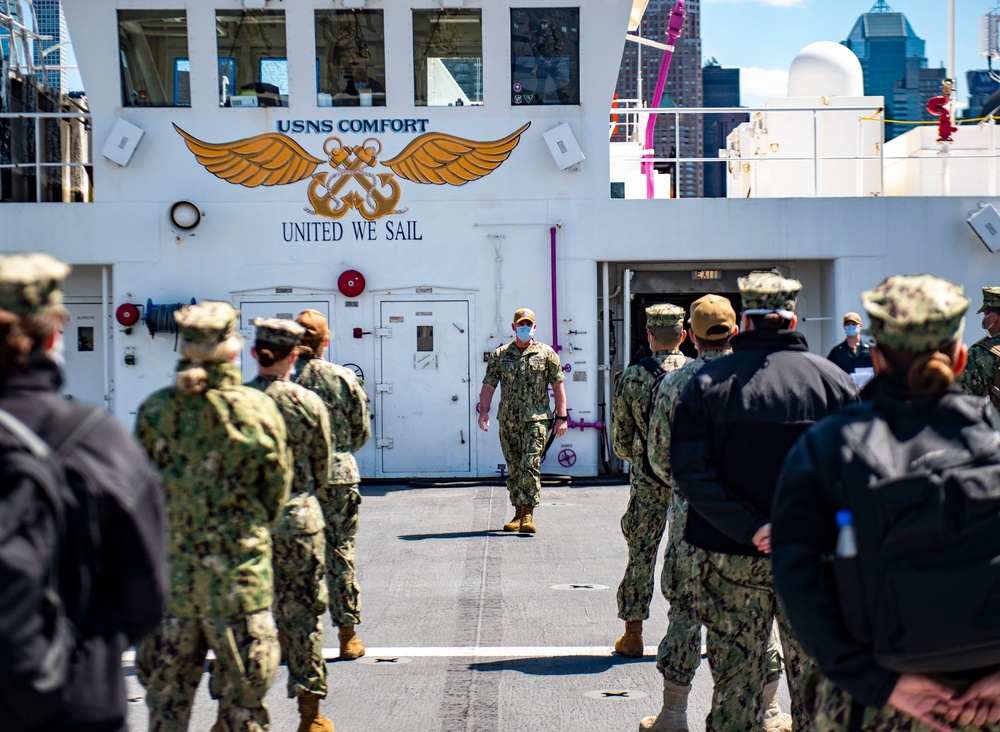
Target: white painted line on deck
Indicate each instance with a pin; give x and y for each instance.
(128, 658)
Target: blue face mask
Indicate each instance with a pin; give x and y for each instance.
(852, 330)
(524, 332)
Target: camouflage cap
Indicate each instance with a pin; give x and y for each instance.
(523, 314)
(278, 332)
(915, 313)
(991, 298)
(210, 321)
(712, 317)
(768, 290)
(31, 284)
(663, 314)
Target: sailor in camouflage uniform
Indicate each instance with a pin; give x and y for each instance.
(646, 513)
(221, 451)
(524, 369)
(984, 355)
(347, 402)
(713, 324)
(733, 425)
(914, 420)
(299, 544)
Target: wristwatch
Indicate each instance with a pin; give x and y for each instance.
(561, 416)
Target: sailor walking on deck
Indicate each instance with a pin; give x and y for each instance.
(524, 369)
(646, 513)
(347, 402)
(300, 595)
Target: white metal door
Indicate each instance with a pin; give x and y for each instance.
(424, 387)
(85, 338)
(285, 309)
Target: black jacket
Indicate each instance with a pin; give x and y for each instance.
(734, 424)
(842, 356)
(129, 587)
(804, 531)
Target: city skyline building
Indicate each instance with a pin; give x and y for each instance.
(720, 88)
(982, 84)
(47, 21)
(639, 68)
(894, 63)
(51, 53)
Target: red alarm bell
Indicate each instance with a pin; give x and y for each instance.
(351, 283)
(127, 314)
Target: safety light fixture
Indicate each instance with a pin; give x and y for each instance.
(185, 215)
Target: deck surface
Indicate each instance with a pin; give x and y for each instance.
(471, 629)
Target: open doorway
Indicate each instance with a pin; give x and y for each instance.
(639, 348)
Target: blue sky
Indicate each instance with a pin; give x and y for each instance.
(762, 37)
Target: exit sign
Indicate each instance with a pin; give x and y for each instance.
(706, 274)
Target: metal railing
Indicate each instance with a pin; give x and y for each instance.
(628, 121)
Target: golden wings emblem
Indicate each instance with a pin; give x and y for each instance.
(274, 159)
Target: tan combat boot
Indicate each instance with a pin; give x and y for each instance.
(673, 716)
(775, 720)
(310, 720)
(630, 644)
(515, 523)
(527, 522)
(350, 646)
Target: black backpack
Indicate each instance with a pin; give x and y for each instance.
(924, 588)
(38, 637)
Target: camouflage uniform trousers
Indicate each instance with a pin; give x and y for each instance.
(833, 714)
(643, 523)
(169, 664)
(340, 504)
(738, 606)
(300, 599)
(522, 444)
(679, 653)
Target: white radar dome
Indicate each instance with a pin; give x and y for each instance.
(826, 69)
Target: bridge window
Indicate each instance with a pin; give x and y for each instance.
(447, 57)
(153, 54)
(253, 58)
(545, 56)
(350, 58)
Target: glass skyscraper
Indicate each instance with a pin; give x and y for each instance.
(895, 66)
(51, 23)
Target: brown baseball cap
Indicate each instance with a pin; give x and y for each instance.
(524, 314)
(852, 318)
(315, 324)
(712, 318)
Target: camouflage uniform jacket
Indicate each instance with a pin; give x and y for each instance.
(347, 402)
(628, 409)
(981, 367)
(222, 457)
(524, 378)
(308, 425)
(661, 412)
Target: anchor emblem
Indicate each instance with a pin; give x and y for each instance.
(273, 159)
